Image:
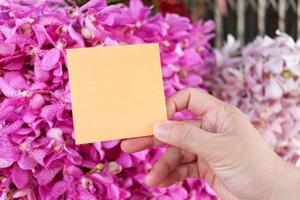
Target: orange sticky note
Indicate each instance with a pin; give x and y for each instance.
(116, 92)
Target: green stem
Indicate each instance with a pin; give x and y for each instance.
(115, 1)
(155, 7)
(81, 2)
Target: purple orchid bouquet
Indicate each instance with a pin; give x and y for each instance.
(263, 79)
(38, 156)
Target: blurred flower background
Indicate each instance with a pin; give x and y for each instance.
(38, 156)
(263, 80)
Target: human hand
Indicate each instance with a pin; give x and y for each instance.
(222, 147)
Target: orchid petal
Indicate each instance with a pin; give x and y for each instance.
(50, 59)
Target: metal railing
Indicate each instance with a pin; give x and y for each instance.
(247, 18)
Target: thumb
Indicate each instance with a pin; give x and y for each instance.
(185, 136)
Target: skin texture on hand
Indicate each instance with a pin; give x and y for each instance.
(222, 147)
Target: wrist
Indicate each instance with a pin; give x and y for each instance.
(286, 182)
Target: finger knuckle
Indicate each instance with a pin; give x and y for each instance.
(231, 109)
(190, 89)
(185, 134)
(227, 107)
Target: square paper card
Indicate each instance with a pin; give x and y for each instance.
(116, 92)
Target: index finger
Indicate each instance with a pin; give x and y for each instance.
(138, 144)
(141, 143)
(192, 99)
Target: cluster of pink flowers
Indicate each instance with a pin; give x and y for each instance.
(263, 80)
(38, 156)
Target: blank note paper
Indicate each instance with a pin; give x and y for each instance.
(116, 92)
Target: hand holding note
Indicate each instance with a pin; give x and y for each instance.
(223, 148)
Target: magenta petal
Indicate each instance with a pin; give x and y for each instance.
(40, 34)
(6, 49)
(15, 64)
(26, 161)
(20, 177)
(15, 80)
(110, 42)
(180, 35)
(50, 59)
(7, 31)
(93, 31)
(177, 192)
(167, 72)
(193, 80)
(7, 90)
(169, 58)
(55, 133)
(12, 127)
(46, 175)
(4, 163)
(102, 178)
(29, 117)
(18, 139)
(49, 112)
(169, 90)
(59, 189)
(76, 36)
(74, 156)
(135, 7)
(58, 71)
(92, 4)
(38, 86)
(40, 75)
(26, 193)
(55, 157)
(98, 147)
(62, 113)
(141, 155)
(8, 113)
(39, 156)
(24, 131)
(74, 171)
(110, 144)
(191, 57)
(125, 160)
(209, 26)
(113, 192)
(124, 194)
(37, 101)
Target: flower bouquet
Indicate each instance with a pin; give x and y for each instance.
(38, 156)
(263, 80)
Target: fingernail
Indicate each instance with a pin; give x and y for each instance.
(162, 129)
